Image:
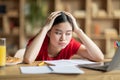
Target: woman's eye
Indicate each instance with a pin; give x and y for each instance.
(68, 33)
(58, 33)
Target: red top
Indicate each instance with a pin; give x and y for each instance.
(65, 53)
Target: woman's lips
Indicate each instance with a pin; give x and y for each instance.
(62, 44)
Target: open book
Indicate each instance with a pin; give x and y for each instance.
(51, 69)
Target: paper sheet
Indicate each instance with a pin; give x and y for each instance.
(66, 70)
(51, 69)
(61, 66)
(35, 70)
(70, 62)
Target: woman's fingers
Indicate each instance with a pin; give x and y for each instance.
(70, 15)
(53, 14)
(73, 19)
(51, 19)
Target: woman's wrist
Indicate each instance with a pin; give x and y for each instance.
(78, 31)
(45, 28)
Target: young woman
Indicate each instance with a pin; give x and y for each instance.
(55, 41)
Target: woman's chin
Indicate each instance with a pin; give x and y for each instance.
(62, 47)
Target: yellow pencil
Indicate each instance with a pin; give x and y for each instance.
(42, 63)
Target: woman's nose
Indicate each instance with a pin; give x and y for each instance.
(63, 37)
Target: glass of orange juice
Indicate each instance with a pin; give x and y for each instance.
(2, 52)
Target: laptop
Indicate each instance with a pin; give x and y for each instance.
(107, 66)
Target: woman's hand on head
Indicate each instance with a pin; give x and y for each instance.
(50, 19)
(76, 27)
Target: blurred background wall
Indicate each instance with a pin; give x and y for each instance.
(20, 20)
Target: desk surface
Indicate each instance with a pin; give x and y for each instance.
(13, 73)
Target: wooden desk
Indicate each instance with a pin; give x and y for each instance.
(13, 73)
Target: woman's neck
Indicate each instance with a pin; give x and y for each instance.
(53, 51)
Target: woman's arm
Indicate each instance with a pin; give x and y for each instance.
(88, 49)
(33, 49)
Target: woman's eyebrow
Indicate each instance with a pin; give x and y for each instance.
(58, 30)
(69, 30)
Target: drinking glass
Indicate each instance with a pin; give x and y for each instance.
(2, 52)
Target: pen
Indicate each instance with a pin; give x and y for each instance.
(49, 64)
(50, 68)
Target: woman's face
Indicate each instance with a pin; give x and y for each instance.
(60, 35)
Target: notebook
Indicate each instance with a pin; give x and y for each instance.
(108, 66)
(51, 69)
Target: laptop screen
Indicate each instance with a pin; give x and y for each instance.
(115, 63)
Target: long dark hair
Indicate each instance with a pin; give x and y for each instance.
(63, 18)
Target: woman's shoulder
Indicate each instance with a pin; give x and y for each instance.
(73, 40)
(74, 43)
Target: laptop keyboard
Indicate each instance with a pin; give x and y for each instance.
(100, 67)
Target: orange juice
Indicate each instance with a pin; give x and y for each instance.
(2, 56)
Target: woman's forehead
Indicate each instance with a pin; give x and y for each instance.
(63, 26)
